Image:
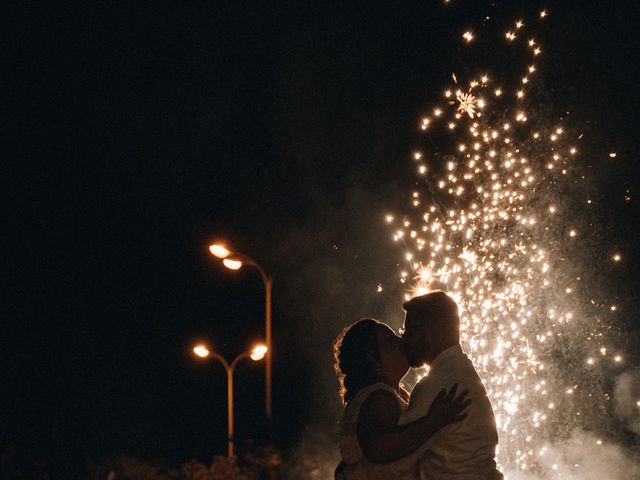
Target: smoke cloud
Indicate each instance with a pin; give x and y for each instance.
(627, 399)
(584, 457)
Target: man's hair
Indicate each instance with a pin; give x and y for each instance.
(435, 308)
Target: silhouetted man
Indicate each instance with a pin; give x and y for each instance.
(464, 450)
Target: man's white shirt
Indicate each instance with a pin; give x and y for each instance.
(463, 450)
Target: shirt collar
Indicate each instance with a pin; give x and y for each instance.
(446, 355)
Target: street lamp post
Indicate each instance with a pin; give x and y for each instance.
(256, 354)
(235, 261)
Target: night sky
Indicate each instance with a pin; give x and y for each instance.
(137, 134)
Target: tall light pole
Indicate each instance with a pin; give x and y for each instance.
(257, 353)
(235, 261)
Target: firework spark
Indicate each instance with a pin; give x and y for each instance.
(468, 104)
(468, 36)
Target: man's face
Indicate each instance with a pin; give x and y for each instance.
(415, 340)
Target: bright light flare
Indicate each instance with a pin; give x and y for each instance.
(201, 351)
(258, 352)
(232, 264)
(219, 250)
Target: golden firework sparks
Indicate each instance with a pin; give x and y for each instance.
(468, 36)
(483, 231)
(468, 104)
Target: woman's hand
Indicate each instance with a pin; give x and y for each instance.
(447, 408)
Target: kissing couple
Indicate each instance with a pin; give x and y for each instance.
(445, 429)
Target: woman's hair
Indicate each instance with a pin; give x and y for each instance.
(356, 357)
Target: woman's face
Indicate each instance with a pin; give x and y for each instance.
(392, 356)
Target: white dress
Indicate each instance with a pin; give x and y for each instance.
(357, 467)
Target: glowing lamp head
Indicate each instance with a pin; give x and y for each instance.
(258, 352)
(232, 264)
(219, 250)
(201, 351)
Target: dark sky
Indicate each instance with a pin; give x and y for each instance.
(139, 133)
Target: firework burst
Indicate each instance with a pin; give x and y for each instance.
(492, 224)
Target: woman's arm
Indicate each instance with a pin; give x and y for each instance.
(381, 438)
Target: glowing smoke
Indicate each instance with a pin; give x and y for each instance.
(627, 399)
(584, 457)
